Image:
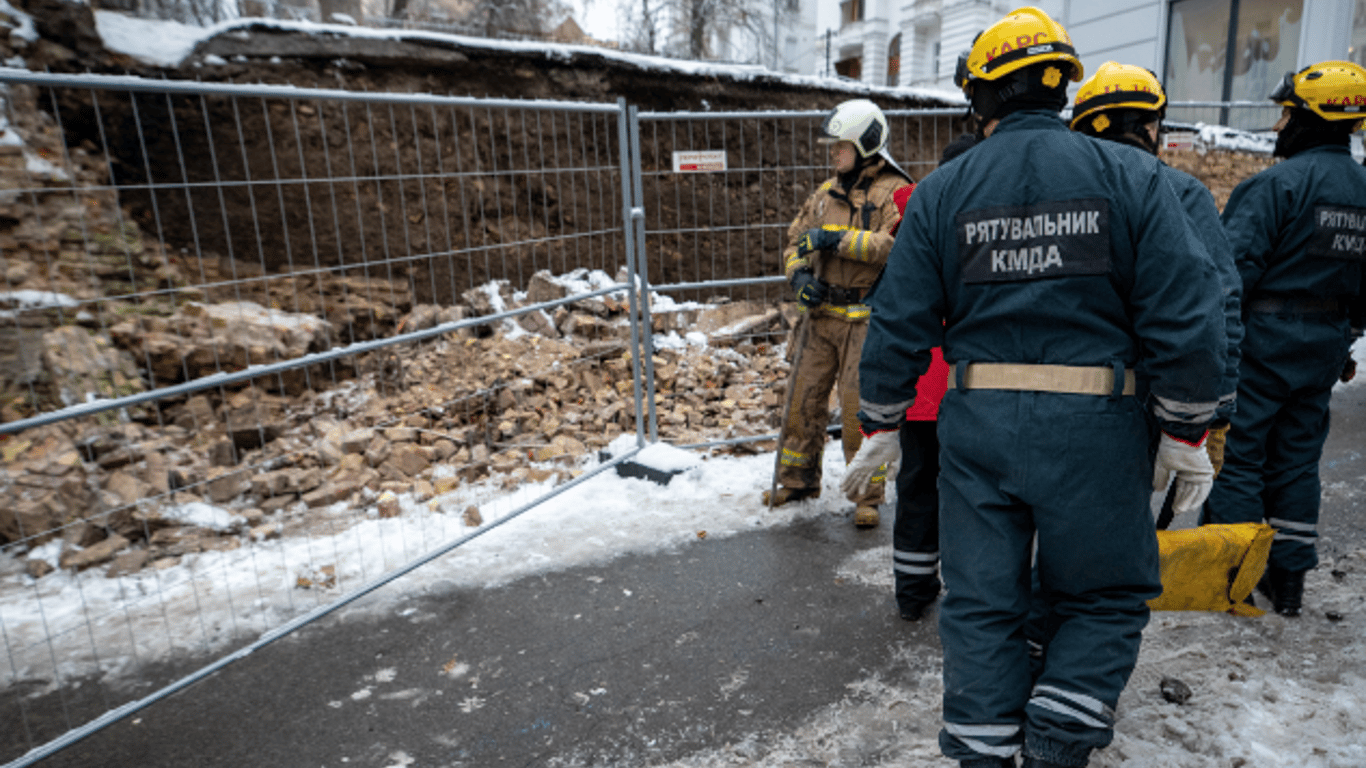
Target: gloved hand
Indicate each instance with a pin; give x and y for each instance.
(1191, 466)
(1214, 445)
(810, 289)
(1349, 371)
(878, 449)
(818, 239)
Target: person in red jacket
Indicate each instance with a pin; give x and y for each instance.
(915, 532)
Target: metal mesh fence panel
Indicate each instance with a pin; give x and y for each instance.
(286, 347)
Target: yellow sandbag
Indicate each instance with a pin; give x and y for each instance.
(1212, 567)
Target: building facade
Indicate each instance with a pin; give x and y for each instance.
(1203, 50)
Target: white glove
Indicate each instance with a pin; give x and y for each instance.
(878, 449)
(1191, 466)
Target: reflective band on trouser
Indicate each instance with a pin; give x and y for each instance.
(1080, 707)
(792, 458)
(915, 563)
(1026, 377)
(1289, 530)
(991, 740)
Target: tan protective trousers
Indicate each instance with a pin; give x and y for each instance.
(829, 360)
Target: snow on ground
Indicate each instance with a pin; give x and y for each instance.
(1268, 692)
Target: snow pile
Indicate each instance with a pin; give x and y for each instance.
(30, 300)
(22, 28)
(1234, 139)
(162, 43)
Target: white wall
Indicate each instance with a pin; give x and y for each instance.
(1127, 31)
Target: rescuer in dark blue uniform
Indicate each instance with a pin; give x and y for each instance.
(1298, 231)
(1126, 103)
(1045, 264)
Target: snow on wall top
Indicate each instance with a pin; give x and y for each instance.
(166, 43)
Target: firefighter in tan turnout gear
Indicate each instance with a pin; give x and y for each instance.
(837, 245)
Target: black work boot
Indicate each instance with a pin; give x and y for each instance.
(1287, 590)
(915, 595)
(988, 762)
(1034, 762)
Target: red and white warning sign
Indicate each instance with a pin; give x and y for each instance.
(705, 160)
(1178, 141)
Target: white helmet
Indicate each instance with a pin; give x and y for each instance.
(858, 121)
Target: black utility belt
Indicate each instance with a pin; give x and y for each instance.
(840, 295)
(1296, 305)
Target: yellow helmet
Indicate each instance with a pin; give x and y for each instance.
(1116, 86)
(1333, 90)
(1026, 36)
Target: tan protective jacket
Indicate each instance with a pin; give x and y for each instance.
(869, 213)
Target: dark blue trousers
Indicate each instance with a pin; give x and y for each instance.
(1276, 435)
(1075, 470)
(915, 533)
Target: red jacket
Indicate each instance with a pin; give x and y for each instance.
(932, 386)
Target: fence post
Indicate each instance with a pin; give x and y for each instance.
(642, 263)
(629, 213)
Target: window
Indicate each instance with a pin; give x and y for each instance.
(850, 68)
(1231, 50)
(1266, 47)
(893, 59)
(1356, 51)
(850, 12)
(1197, 48)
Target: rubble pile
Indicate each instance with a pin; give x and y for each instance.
(528, 400)
(1220, 170)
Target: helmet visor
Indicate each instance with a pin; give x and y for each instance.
(827, 136)
(961, 74)
(1286, 90)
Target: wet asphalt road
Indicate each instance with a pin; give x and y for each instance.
(634, 662)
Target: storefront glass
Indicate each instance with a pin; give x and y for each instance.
(1197, 47)
(1357, 49)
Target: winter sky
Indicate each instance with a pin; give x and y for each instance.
(1274, 692)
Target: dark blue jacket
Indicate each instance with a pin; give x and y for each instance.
(1042, 245)
(1298, 230)
(1199, 204)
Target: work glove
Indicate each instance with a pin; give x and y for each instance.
(1214, 445)
(818, 239)
(1190, 464)
(1349, 371)
(810, 289)
(878, 449)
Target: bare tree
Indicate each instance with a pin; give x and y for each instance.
(532, 18)
(645, 21)
(705, 29)
(198, 12)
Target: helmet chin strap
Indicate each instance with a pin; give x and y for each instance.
(1017, 91)
(1306, 130)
